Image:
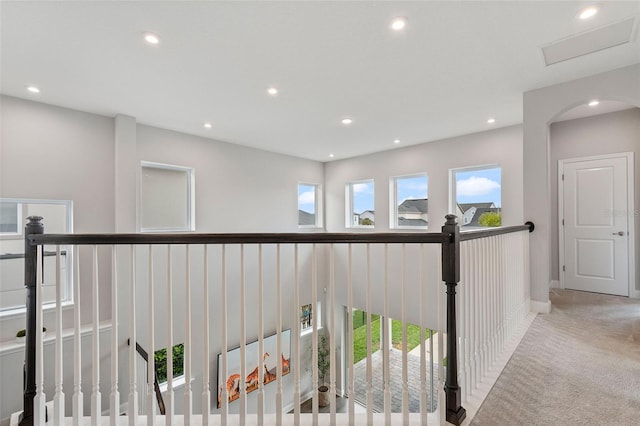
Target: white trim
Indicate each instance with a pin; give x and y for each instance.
(540, 307)
(349, 204)
(393, 200)
(11, 346)
(453, 203)
(631, 231)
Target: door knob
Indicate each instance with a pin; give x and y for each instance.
(621, 233)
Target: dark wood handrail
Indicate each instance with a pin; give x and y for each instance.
(271, 238)
(156, 385)
(484, 233)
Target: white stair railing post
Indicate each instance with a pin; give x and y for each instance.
(58, 399)
(96, 396)
(132, 408)
(115, 393)
(206, 393)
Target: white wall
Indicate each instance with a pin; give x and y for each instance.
(601, 134)
(56, 153)
(541, 106)
(500, 146)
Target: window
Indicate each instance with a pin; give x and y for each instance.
(160, 360)
(57, 219)
(166, 198)
(306, 318)
(309, 205)
(477, 196)
(409, 201)
(360, 205)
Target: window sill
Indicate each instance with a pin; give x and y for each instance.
(308, 331)
(178, 382)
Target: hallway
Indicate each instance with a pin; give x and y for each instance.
(579, 365)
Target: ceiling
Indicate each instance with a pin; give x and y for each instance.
(455, 65)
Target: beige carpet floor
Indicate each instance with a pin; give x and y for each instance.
(579, 365)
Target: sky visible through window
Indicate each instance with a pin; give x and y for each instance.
(307, 198)
(479, 186)
(362, 196)
(411, 188)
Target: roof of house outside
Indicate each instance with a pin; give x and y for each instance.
(418, 205)
(466, 206)
(411, 222)
(306, 218)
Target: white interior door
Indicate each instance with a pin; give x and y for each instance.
(596, 224)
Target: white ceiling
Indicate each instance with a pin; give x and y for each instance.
(455, 65)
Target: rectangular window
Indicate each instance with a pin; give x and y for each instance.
(309, 205)
(167, 203)
(360, 204)
(57, 219)
(477, 196)
(160, 359)
(306, 317)
(409, 201)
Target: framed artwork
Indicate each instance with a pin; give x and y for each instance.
(234, 382)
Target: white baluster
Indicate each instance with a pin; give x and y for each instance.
(169, 398)
(260, 338)
(243, 340)
(58, 399)
(332, 342)
(188, 393)
(278, 338)
(115, 394)
(96, 397)
(385, 343)
(151, 374)
(133, 385)
(441, 315)
(206, 393)
(351, 385)
(78, 399)
(369, 392)
(224, 395)
(405, 363)
(314, 335)
(40, 398)
(423, 356)
(296, 341)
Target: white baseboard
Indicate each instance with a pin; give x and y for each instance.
(540, 307)
(554, 284)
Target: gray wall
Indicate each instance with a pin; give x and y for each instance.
(541, 106)
(601, 134)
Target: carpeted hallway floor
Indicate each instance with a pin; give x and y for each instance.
(579, 365)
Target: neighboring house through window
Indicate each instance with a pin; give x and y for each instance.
(309, 205)
(409, 201)
(477, 196)
(360, 204)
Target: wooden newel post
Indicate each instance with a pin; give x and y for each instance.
(451, 276)
(34, 226)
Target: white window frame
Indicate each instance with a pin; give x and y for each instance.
(393, 200)
(19, 223)
(317, 204)
(68, 258)
(453, 204)
(349, 222)
(191, 222)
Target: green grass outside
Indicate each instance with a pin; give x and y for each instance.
(360, 335)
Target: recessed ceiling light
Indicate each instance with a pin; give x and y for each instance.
(272, 91)
(208, 125)
(398, 23)
(588, 12)
(491, 121)
(33, 89)
(593, 103)
(330, 155)
(151, 38)
(346, 121)
(396, 141)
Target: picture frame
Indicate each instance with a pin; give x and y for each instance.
(234, 382)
